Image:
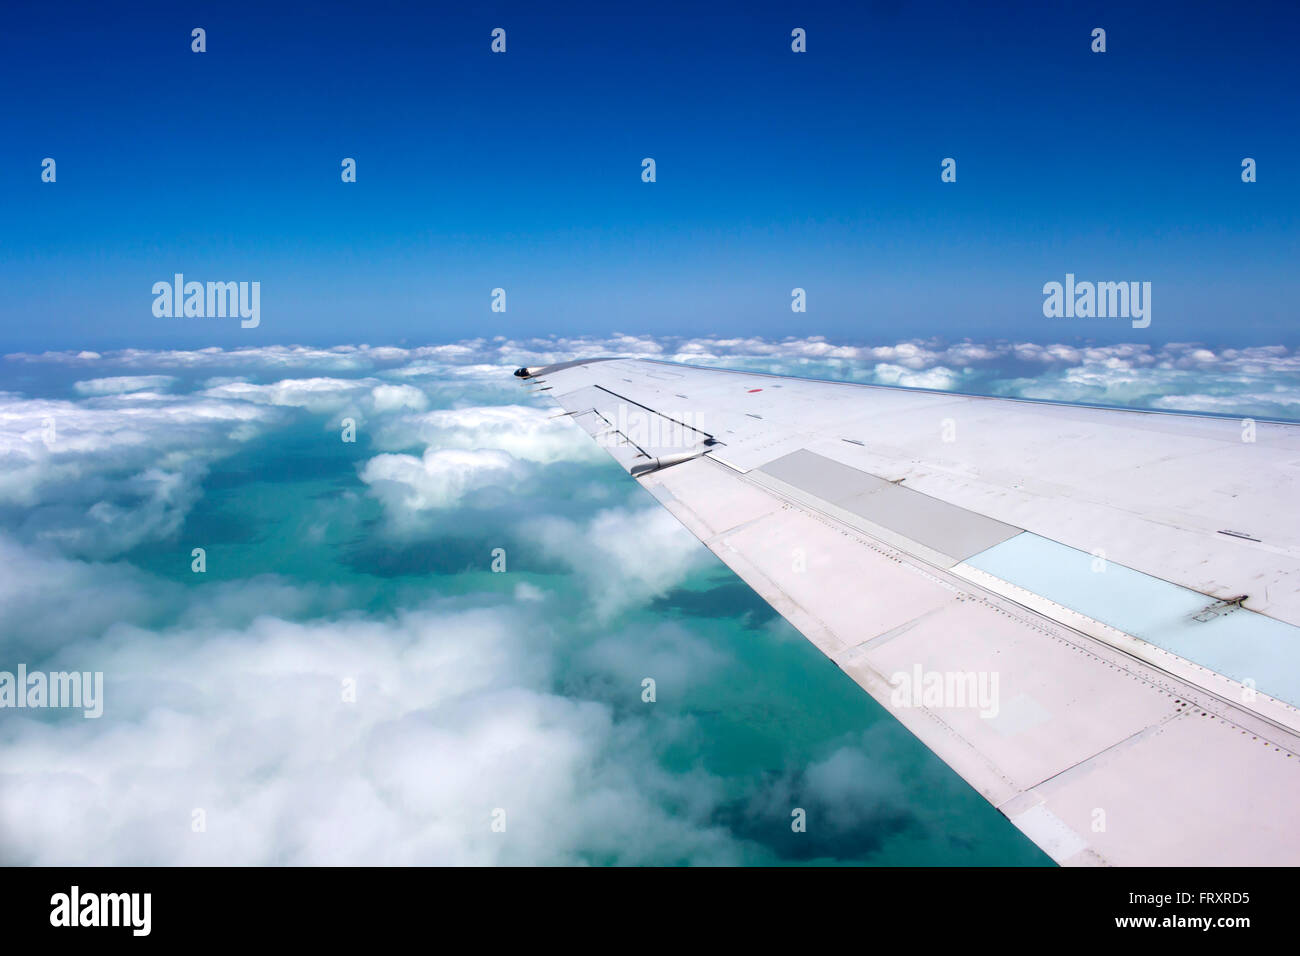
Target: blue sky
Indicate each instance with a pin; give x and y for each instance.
(522, 170)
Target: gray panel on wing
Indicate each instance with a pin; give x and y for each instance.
(946, 528)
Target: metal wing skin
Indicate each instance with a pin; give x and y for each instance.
(1092, 615)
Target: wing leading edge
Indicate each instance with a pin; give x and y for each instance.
(1089, 614)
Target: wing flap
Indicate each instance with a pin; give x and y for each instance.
(1049, 740)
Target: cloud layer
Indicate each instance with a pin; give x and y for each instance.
(349, 681)
(1174, 375)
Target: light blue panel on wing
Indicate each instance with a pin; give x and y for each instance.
(1239, 644)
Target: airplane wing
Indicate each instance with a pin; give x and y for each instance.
(1092, 615)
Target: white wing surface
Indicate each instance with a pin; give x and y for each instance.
(1092, 615)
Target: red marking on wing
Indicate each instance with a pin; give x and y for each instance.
(753, 390)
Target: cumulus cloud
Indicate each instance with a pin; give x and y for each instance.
(394, 398)
(98, 479)
(120, 384)
(49, 602)
(315, 394)
(670, 654)
(935, 378)
(125, 462)
(1279, 403)
(335, 739)
(623, 557)
(394, 741)
(325, 395)
(440, 478)
(852, 801)
(527, 433)
(1098, 371)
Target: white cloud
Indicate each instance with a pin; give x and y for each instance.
(487, 362)
(440, 478)
(49, 602)
(121, 384)
(101, 476)
(671, 655)
(623, 557)
(937, 378)
(451, 721)
(530, 434)
(320, 395)
(395, 398)
(325, 396)
(1282, 403)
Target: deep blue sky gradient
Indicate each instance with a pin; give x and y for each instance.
(522, 170)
